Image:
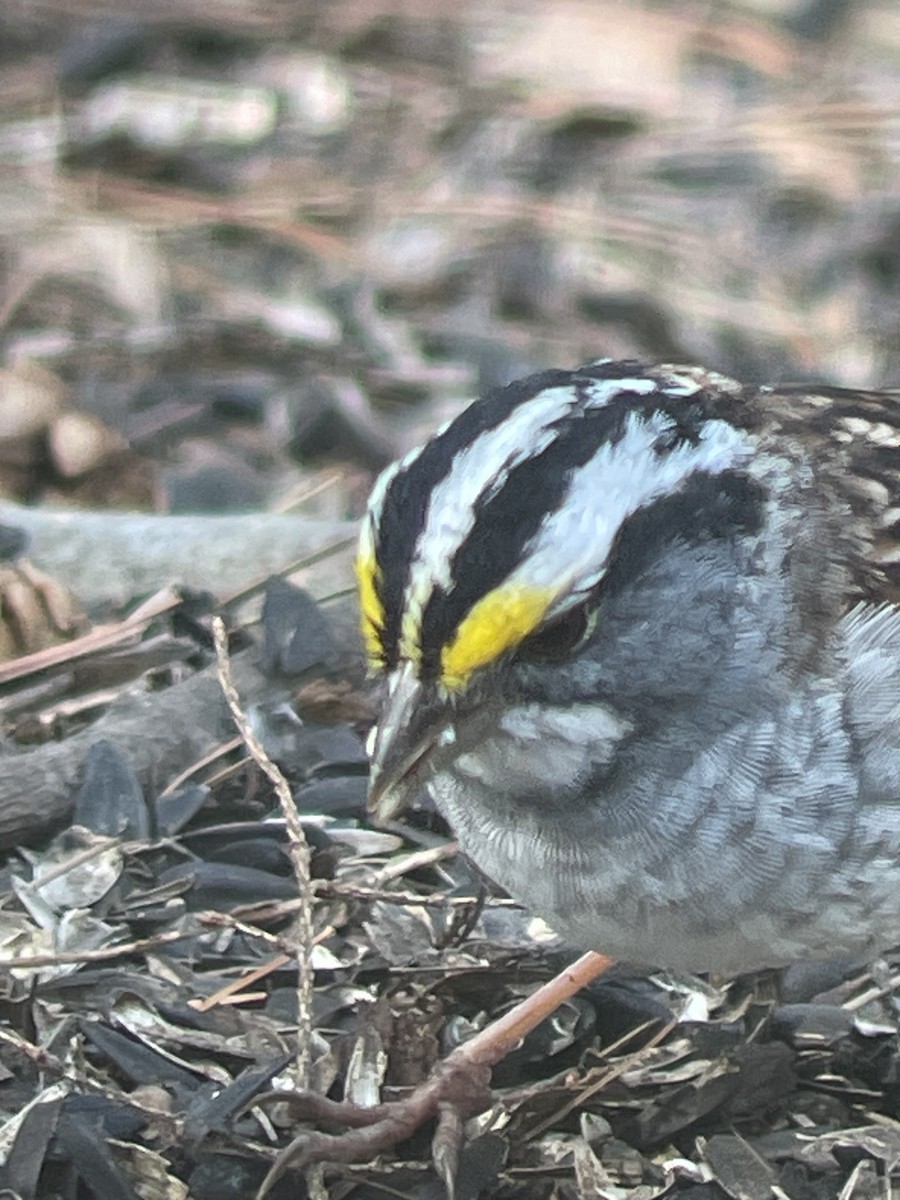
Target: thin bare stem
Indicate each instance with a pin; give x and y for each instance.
(299, 852)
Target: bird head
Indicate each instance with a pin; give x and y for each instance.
(487, 554)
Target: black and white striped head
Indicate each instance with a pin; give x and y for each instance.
(506, 520)
(505, 526)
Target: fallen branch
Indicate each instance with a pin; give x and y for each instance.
(114, 557)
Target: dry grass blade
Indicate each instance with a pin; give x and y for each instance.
(104, 954)
(103, 637)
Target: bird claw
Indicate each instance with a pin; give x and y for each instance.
(458, 1089)
(447, 1144)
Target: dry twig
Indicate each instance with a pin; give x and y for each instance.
(299, 852)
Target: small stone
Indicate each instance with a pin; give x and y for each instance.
(30, 397)
(80, 442)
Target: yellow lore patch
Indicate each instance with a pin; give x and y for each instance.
(371, 611)
(498, 622)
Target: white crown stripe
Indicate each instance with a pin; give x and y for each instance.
(482, 468)
(629, 474)
(568, 554)
(383, 482)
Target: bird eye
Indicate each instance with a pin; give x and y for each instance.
(557, 639)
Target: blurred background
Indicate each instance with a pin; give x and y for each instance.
(252, 250)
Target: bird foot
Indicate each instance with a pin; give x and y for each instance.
(457, 1089)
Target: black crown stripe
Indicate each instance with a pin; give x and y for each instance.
(507, 520)
(405, 503)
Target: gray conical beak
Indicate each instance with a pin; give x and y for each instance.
(410, 726)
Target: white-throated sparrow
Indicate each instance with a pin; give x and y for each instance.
(638, 638)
